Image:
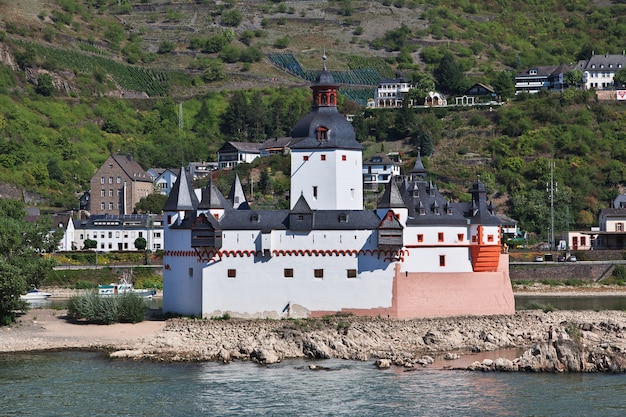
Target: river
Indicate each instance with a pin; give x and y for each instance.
(86, 384)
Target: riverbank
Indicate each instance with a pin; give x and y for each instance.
(582, 341)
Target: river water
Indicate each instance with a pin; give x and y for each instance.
(88, 384)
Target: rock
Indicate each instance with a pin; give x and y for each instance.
(383, 363)
(126, 354)
(451, 356)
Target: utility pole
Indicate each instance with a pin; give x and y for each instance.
(551, 188)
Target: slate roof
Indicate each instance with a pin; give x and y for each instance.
(212, 198)
(131, 168)
(182, 197)
(341, 133)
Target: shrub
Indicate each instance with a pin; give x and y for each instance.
(124, 308)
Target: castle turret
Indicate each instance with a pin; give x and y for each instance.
(182, 201)
(326, 164)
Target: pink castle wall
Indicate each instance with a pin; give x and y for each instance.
(421, 295)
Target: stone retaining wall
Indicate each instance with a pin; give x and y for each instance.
(561, 271)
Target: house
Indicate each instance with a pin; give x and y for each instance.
(599, 71)
(277, 146)
(199, 170)
(118, 185)
(234, 153)
(481, 90)
(475, 94)
(378, 170)
(390, 92)
(163, 179)
(416, 254)
(534, 79)
(84, 201)
(119, 232)
(64, 222)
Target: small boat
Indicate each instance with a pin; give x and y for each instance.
(34, 295)
(123, 287)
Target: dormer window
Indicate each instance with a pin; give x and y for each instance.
(343, 218)
(254, 218)
(533, 72)
(322, 134)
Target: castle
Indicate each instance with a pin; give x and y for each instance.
(415, 255)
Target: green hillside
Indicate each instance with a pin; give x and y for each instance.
(169, 82)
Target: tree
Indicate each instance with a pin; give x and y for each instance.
(90, 244)
(21, 263)
(44, 85)
(504, 84)
(423, 83)
(449, 76)
(140, 243)
(153, 203)
(573, 78)
(619, 79)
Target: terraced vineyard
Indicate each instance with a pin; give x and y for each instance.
(129, 77)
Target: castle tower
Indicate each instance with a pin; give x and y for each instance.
(326, 165)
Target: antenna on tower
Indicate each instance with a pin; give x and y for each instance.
(180, 117)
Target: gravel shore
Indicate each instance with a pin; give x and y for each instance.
(582, 341)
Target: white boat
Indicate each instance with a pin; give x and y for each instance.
(123, 287)
(34, 295)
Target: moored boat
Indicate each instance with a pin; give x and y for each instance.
(35, 294)
(123, 287)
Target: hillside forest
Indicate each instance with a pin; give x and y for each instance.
(80, 79)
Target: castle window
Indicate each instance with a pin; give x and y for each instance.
(619, 227)
(315, 191)
(420, 238)
(110, 180)
(343, 158)
(288, 272)
(300, 217)
(343, 218)
(422, 212)
(323, 157)
(351, 273)
(305, 158)
(232, 273)
(318, 273)
(119, 179)
(101, 180)
(102, 193)
(254, 218)
(440, 236)
(442, 260)
(322, 134)
(489, 238)
(460, 237)
(190, 272)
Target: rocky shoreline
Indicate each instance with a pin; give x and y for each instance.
(581, 341)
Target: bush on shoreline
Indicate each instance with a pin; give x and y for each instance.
(123, 308)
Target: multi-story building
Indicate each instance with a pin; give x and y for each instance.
(119, 232)
(118, 185)
(234, 153)
(599, 71)
(378, 170)
(390, 92)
